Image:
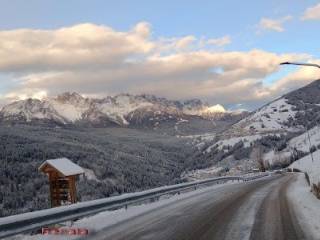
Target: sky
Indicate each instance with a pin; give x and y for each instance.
(223, 52)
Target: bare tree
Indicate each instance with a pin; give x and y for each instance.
(257, 155)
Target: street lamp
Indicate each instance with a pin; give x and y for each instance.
(308, 65)
(301, 64)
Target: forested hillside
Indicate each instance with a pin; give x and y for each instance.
(122, 160)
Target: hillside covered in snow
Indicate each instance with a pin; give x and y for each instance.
(278, 133)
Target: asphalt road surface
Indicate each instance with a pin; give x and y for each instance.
(255, 210)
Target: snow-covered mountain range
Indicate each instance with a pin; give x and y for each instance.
(123, 110)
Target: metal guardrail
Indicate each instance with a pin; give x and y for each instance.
(250, 178)
(25, 222)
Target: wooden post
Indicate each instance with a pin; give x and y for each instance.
(72, 189)
(51, 189)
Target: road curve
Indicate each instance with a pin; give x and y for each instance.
(255, 210)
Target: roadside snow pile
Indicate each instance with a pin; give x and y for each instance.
(306, 206)
(305, 164)
(301, 142)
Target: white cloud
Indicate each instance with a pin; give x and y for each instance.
(185, 42)
(176, 44)
(273, 24)
(98, 60)
(312, 13)
(26, 93)
(143, 29)
(84, 45)
(220, 42)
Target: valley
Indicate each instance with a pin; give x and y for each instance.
(146, 142)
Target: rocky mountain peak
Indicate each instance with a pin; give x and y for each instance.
(71, 97)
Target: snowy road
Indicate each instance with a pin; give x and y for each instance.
(255, 210)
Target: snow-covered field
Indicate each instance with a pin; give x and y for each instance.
(302, 143)
(247, 140)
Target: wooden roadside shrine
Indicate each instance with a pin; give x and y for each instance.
(62, 175)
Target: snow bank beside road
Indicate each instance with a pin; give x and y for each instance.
(306, 207)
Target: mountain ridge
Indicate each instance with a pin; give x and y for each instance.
(122, 109)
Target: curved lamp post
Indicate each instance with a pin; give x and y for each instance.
(301, 64)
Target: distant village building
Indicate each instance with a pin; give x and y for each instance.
(62, 175)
